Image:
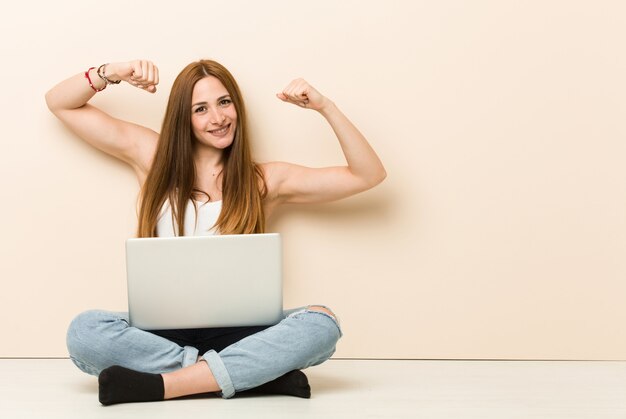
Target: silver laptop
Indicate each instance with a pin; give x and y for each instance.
(204, 281)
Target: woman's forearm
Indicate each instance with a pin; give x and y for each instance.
(74, 92)
(77, 90)
(361, 158)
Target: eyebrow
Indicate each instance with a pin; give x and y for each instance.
(206, 103)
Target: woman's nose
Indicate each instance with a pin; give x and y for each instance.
(217, 118)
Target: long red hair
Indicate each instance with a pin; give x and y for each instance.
(172, 175)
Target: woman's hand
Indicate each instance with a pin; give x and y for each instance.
(139, 73)
(301, 93)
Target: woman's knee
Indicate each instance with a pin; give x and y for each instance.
(77, 341)
(83, 325)
(86, 337)
(78, 327)
(330, 321)
(324, 330)
(323, 309)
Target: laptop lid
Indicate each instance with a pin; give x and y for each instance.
(204, 281)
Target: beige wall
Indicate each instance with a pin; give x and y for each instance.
(499, 232)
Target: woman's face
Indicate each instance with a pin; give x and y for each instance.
(213, 114)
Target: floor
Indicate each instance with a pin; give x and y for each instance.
(54, 388)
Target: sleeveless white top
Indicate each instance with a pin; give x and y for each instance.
(202, 225)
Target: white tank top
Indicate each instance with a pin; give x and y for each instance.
(202, 226)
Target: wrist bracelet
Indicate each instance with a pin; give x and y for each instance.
(102, 74)
(90, 83)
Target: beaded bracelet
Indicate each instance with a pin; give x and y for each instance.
(90, 83)
(102, 74)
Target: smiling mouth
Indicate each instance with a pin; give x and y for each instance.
(220, 131)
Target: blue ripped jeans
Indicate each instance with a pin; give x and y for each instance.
(303, 338)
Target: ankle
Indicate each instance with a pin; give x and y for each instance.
(194, 379)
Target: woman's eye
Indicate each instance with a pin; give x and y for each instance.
(200, 109)
(225, 102)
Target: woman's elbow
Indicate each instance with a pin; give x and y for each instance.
(381, 175)
(50, 101)
(376, 178)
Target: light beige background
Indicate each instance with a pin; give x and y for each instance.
(499, 232)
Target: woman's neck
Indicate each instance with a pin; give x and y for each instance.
(208, 162)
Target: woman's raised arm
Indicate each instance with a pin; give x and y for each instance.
(129, 142)
(290, 183)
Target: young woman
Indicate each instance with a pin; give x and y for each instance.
(197, 177)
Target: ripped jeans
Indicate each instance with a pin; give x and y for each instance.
(303, 338)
